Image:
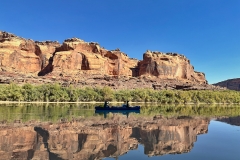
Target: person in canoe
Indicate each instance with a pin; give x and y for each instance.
(106, 104)
(126, 105)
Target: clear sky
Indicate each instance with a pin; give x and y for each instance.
(206, 31)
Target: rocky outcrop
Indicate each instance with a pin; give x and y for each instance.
(232, 84)
(76, 60)
(17, 53)
(96, 139)
(71, 58)
(169, 66)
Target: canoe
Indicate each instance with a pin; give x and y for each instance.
(124, 112)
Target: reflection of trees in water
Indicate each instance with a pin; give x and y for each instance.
(191, 110)
(55, 112)
(44, 112)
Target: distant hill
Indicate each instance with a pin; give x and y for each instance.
(233, 84)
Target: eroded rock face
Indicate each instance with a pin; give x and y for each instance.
(96, 139)
(24, 56)
(90, 58)
(76, 58)
(17, 53)
(45, 50)
(169, 66)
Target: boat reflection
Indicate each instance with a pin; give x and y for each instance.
(124, 112)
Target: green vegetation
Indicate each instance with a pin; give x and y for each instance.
(192, 110)
(57, 93)
(44, 112)
(56, 112)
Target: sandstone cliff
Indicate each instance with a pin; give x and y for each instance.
(96, 139)
(75, 61)
(23, 55)
(169, 66)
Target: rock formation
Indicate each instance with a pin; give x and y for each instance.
(232, 84)
(73, 57)
(169, 66)
(96, 139)
(77, 61)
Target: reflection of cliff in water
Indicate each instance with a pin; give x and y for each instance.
(95, 139)
(170, 136)
(230, 120)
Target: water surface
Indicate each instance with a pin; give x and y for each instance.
(75, 131)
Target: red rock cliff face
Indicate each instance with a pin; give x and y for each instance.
(78, 57)
(24, 56)
(169, 66)
(17, 53)
(75, 58)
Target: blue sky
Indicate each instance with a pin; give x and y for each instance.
(206, 31)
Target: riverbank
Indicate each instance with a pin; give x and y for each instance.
(55, 93)
(114, 102)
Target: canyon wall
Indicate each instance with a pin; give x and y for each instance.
(169, 66)
(77, 59)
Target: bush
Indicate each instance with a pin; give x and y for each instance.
(57, 93)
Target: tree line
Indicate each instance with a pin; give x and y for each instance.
(58, 93)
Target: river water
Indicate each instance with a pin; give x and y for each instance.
(76, 131)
